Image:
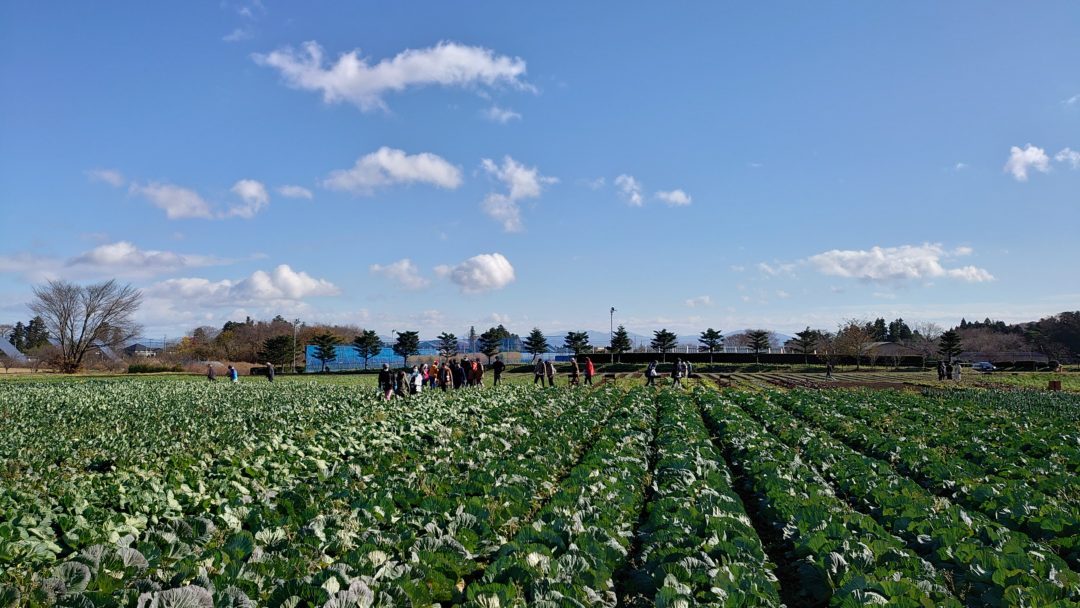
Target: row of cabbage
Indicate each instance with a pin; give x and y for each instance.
(379, 484)
(989, 564)
(1031, 506)
(831, 553)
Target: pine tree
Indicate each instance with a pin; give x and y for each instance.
(949, 345)
(18, 337)
(806, 341)
(36, 333)
(710, 340)
(367, 345)
(491, 342)
(276, 350)
(663, 341)
(472, 338)
(899, 331)
(577, 342)
(758, 340)
(407, 344)
(879, 331)
(325, 348)
(447, 345)
(535, 343)
(620, 341)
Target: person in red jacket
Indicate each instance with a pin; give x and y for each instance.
(590, 370)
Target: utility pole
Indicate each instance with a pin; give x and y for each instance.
(611, 333)
(295, 325)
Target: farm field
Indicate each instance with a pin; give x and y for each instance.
(147, 492)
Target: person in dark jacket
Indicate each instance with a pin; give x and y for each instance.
(211, 375)
(940, 370)
(401, 384)
(269, 371)
(651, 374)
(386, 381)
(538, 372)
(459, 373)
(677, 373)
(498, 368)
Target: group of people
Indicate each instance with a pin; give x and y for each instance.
(234, 376)
(447, 375)
(679, 370)
(948, 371)
(546, 369)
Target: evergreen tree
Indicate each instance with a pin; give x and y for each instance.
(710, 340)
(447, 345)
(949, 345)
(472, 338)
(18, 337)
(577, 342)
(620, 341)
(535, 343)
(325, 348)
(491, 341)
(367, 345)
(806, 342)
(758, 340)
(663, 341)
(408, 344)
(277, 350)
(899, 331)
(879, 330)
(36, 333)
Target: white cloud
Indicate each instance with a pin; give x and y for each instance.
(593, 184)
(403, 272)
(253, 194)
(388, 166)
(280, 284)
(699, 301)
(295, 192)
(960, 166)
(521, 182)
(884, 264)
(501, 115)
(783, 295)
(1072, 100)
(1030, 157)
(237, 35)
(109, 176)
(776, 269)
(674, 198)
(177, 202)
(354, 79)
(479, 273)
(1070, 156)
(630, 190)
(120, 259)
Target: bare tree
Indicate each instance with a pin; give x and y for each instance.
(853, 338)
(82, 317)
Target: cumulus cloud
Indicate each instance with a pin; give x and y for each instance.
(885, 264)
(1021, 160)
(403, 272)
(177, 202)
(109, 176)
(281, 284)
(479, 273)
(1075, 99)
(674, 198)
(501, 115)
(521, 183)
(119, 259)
(354, 79)
(388, 167)
(630, 190)
(238, 35)
(1070, 156)
(699, 301)
(295, 192)
(253, 194)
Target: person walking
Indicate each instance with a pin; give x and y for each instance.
(956, 371)
(828, 370)
(575, 371)
(466, 370)
(590, 371)
(386, 381)
(498, 368)
(940, 371)
(948, 371)
(478, 368)
(234, 376)
(269, 371)
(549, 367)
(689, 369)
(538, 371)
(211, 375)
(416, 381)
(650, 374)
(401, 384)
(459, 373)
(433, 374)
(677, 374)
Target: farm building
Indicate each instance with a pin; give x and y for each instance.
(140, 350)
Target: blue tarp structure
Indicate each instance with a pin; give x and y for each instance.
(347, 359)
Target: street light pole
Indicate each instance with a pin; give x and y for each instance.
(295, 326)
(611, 333)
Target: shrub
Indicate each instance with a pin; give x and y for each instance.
(152, 368)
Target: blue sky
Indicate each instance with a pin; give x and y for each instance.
(434, 166)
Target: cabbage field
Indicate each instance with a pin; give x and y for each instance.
(192, 494)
